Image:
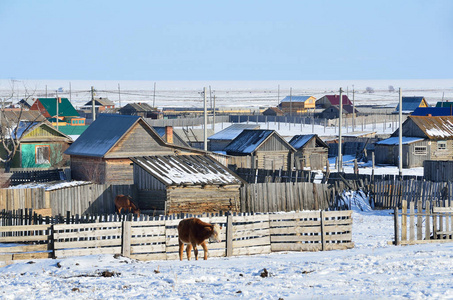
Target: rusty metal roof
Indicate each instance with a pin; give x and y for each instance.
(435, 128)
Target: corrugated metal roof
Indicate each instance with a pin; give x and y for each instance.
(102, 135)
(249, 140)
(435, 127)
(444, 104)
(298, 141)
(396, 141)
(187, 170)
(231, 132)
(296, 98)
(433, 111)
(65, 108)
(410, 103)
(335, 99)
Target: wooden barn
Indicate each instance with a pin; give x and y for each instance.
(262, 149)
(41, 146)
(185, 184)
(311, 151)
(218, 141)
(140, 109)
(424, 138)
(273, 111)
(101, 154)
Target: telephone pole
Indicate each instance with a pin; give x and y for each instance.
(92, 104)
(205, 131)
(340, 138)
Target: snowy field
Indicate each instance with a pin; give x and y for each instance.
(249, 94)
(372, 270)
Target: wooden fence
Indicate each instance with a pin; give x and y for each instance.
(390, 193)
(241, 234)
(433, 225)
(81, 199)
(287, 196)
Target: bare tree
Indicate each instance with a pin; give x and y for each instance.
(13, 128)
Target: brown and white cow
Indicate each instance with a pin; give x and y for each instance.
(123, 201)
(194, 232)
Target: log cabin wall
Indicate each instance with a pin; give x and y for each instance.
(200, 199)
(88, 169)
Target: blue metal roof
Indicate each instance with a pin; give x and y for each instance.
(231, 132)
(248, 141)
(102, 135)
(433, 111)
(298, 141)
(395, 141)
(295, 98)
(410, 103)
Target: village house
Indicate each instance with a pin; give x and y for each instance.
(41, 146)
(410, 104)
(333, 112)
(102, 153)
(433, 111)
(100, 104)
(293, 105)
(58, 110)
(311, 151)
(141, 109)
(273, 111)
(261, 149)
(185, 184)
(218, 141)
(424, 138)
(332, 100)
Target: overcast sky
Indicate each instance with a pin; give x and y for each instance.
(226, 40)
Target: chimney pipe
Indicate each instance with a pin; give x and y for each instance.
(169, 134)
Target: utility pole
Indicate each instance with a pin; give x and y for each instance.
(92, 104)
(290, 101)
(205, 131)
(58, 100)
(400, 135)
(46, 90)
(353, 108)
(154, 96)
(340, 138)
(278, 95)
(213, 116)
(119, 95)
(70, 92)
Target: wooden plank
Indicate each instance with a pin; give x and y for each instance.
(37, 255)
(419, 220)
(126, 239)
(412, 221)
(149, 256)
(24, 248)
(323, 232)
(296, 247)
(89, 251)
(87, 244)
(427, 220)
(20, 239)
(296, 230)
(147, 239)
(24, 228)
(252, 250)
(146, 249)
(59, 227)
(404, 220)
(251, 242)
(87, 234)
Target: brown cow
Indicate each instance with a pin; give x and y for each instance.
(194, 232)
(123, 201)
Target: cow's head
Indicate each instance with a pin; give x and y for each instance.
(215, 236)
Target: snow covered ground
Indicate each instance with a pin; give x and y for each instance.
(372, 270)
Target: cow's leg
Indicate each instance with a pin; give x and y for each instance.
(181, 249)
(205, 249)
(195, 250)
(119, 210)
(188, 249)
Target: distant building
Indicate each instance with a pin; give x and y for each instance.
(311, 151)
(273, 111)
(100, 104)
(218, 141)
(433, 111)
(332, 100)
(410, 104)
(297, 104)
(141, 109)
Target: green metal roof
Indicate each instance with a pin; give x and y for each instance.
(65, 108)
(72, 130)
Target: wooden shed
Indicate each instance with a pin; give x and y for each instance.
(312, 152)
(262, 149)
(185, 184)
(101, 154)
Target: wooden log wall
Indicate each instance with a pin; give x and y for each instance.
(241, 234)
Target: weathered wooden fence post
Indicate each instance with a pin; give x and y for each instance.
(126, 239)
(397, 227)
(229, 235)
(323, 233)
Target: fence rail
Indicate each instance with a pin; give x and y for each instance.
(433, 225)
(241, 234)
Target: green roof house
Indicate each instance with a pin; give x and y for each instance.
(49, 106)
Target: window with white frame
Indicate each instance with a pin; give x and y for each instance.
(441, 145)
(42, 154)
(420, 150)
